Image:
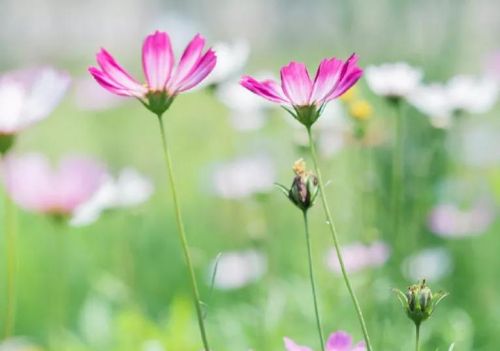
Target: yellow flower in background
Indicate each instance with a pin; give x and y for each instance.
(360, 110)
(350, 95)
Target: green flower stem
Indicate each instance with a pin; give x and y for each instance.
(397, 169)
(336, 242)
(182, 236)
(11, 264)
(313, 283)
(417, 337)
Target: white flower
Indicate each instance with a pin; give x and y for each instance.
(430, 264)
(393, 79)
(236, 269)
(433, 100)
(244, 177)
(472, 94)
(462, 93)
(358, 256)
(128, 190)
(231, 59)
(247, 111)
(29, 96)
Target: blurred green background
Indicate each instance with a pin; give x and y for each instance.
(125, 281)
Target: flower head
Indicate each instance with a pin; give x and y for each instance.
(358, 256)
(163, 81)
(393, 80)
(419, 301)
(36, 187)
(27, 97)
(304, 187)
(307, 97)
(338, 341)
(129, 189)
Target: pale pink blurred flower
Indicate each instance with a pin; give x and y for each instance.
(244, 177)
(492, 66)
(18, 344)
(236, 269)
(338, 341)
(358, 256)
(35, 186)
(431, 264)
(163, 81)
(393, 80)
(29, 96)
(447, 220)
(304, 96)
(129, 189)
(89, 96)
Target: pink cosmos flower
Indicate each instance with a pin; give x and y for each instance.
(338, 341)
(163, 81)
(36, 187)
(307, 97)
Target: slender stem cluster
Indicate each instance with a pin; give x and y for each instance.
(336, 242)
(417, 337)
(313, 283)
(11, 264)
(397, 169)
(182, 236)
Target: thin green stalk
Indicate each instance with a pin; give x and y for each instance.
(11, 264)
(417, 337)
(313, 283)
(397, 170)
(333, 231)
(182, 236)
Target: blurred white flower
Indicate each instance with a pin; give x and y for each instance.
(358, 256)
(244, 177)
(433, 101)
(236, 269)
(430, 264)
(29, 96)
(462, 93)
(472, 94)
(393, 79)
(129, 189)
(247, 111)
(18, 344)
(90, 96)
(152, 345)
(447, 220)
(231, 59)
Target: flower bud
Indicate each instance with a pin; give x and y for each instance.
(304, 187)
(419, 301)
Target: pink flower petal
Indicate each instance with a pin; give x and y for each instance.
(188, 62)
(115, 73)
(361, 346)
(268, 89)
(349, 75)
(326, 79)
(109, 84)
(339, 341)
(157, 60)
(296, 83)
(290, 345)
(203, 68)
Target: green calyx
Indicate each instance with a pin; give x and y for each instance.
(307, 114)
(419, 301)
(158, 101)
(304, 188)
(6, 142)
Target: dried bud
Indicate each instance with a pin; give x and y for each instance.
(419, 301)
(304, 187)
